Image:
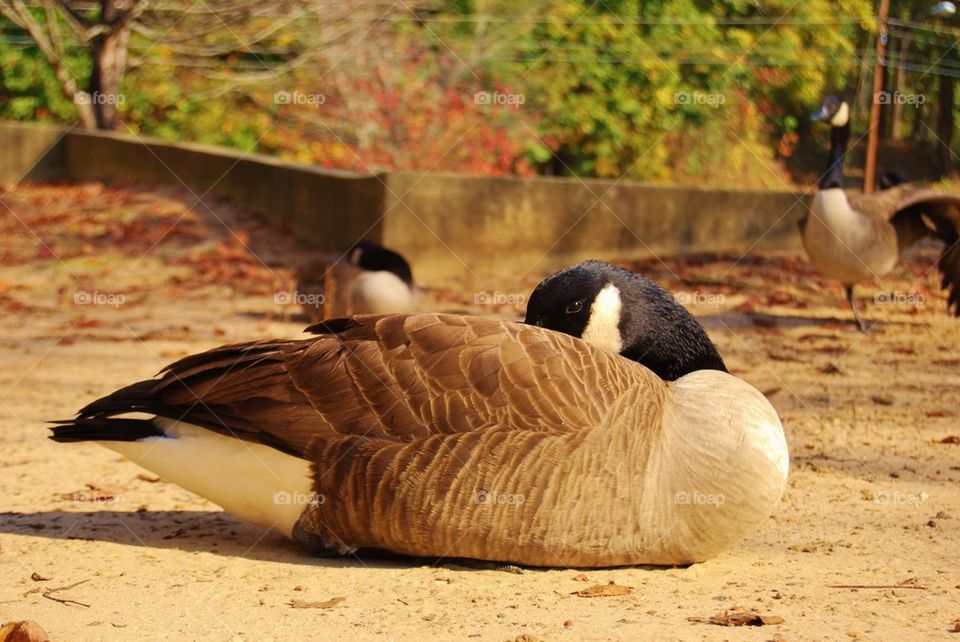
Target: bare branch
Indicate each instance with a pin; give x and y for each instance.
(77, 20)
(53, 29)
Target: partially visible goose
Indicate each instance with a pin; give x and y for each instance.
(859, 237)
(454, 436)
(368, 279)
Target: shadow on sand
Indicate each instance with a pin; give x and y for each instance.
(219, 533)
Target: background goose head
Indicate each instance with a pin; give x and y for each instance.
(834, 110)
(376, 258)
(367, 279)
(623, 312)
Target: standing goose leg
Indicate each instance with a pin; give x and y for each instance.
(856, 315)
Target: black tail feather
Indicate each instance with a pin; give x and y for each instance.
(137, 397)
(104, 429)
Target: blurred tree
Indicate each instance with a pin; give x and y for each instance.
(681, 90)
(229, 30)
(615, 80)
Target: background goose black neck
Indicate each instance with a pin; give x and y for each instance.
(833, 177)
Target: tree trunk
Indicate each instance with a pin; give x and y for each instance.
(918, 132)
(109, 63)
(896, 131)
(945, 124)
(886, 115)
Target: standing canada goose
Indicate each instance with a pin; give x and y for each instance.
(440, 435)
(855, 238)
(368, 279)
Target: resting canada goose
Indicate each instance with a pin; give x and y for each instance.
(368, 279)
(855, 238)
(440, 435)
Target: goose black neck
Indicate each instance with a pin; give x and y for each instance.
(663, 336)
(671, 363)
(833, 177)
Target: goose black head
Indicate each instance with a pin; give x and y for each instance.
(371, 256)
(834, 111)
(619, 311)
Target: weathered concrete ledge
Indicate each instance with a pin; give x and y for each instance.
(446, 223)
(543, 223)
(31, 152)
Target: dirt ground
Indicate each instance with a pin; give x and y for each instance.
(100, 287)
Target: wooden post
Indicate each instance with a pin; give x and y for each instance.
(870, 170)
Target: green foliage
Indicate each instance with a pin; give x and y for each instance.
(655, 89)
(186, 107)
(29, 90)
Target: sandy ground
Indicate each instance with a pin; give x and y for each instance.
(101, 287)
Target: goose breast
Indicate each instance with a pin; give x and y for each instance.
(845, 244)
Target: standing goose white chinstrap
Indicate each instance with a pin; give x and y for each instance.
(452, 436)
(854, 238)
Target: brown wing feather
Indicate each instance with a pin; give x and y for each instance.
(886, 204)
(940, 219)
(917, 213)
(395, 378)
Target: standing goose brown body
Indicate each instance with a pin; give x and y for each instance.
(449, 436)
(860, 237)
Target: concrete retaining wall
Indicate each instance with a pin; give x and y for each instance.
(445, 223)
(30, 152)
(510, 223)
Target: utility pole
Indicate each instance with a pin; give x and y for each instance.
(870, 170)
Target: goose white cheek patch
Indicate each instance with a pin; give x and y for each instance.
(842, 116)
(603, 326)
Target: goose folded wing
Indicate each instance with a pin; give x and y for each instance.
(397, 377)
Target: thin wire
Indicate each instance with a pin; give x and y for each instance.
(652, 60)
(923, 26)
(760, 21)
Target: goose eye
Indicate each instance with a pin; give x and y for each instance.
(574, 307)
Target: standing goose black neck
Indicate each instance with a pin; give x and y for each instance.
(839, 138)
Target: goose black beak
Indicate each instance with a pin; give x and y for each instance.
(820, 115)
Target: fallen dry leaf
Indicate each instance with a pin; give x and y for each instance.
(881, 400)
(951, 439)
(739, 618)
(611, 589)
(23, 631)
(94, 494)
(326, 604)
